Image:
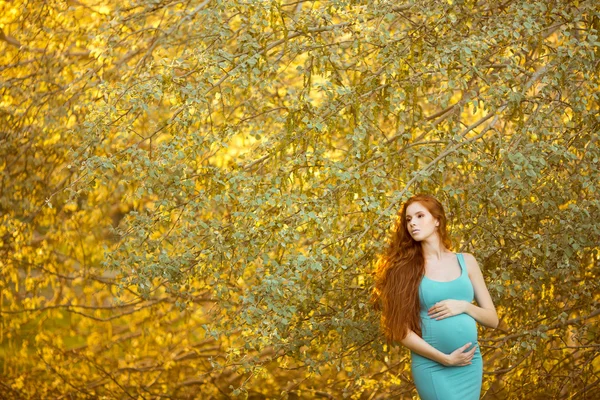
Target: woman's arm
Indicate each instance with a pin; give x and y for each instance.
(458, 357)
(485, 314)
(415, 343)
(487, 317)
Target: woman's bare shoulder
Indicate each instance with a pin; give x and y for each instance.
(471, 262)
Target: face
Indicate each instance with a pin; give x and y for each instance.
(419, 222)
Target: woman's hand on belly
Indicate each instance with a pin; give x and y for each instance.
(461, 356)
(447, 308)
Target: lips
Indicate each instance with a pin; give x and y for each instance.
(416, 231)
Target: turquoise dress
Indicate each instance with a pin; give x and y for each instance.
(433, 380)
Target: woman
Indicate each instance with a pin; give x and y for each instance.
(425, 293)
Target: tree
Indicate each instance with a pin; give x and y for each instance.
(194, 194)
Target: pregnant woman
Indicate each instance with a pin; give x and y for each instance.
(425, 294)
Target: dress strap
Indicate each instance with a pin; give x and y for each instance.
(461, 261)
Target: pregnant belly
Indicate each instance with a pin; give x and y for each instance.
(448, 334)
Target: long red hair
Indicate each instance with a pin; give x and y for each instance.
(400, 270)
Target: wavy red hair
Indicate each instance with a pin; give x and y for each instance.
(399, 272)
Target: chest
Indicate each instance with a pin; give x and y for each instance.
(431, 292)
(444, 271)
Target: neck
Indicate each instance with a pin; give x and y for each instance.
(433, 249)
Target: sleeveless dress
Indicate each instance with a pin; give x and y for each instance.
(433, 380)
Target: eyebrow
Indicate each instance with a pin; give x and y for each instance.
(418, 212)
